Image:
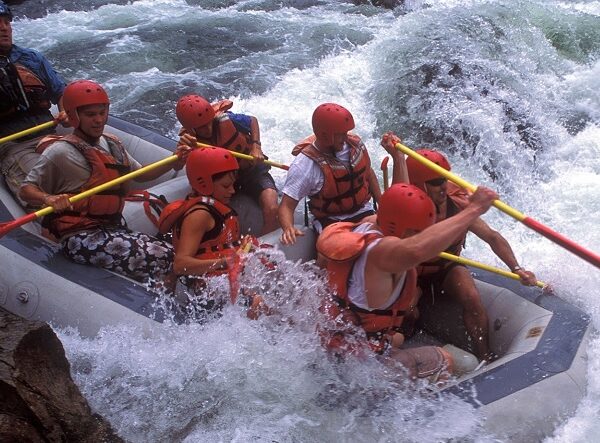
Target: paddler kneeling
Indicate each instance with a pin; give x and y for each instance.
(371, 270)
(206, 233)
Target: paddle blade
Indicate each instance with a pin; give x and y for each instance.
(5, 228)
(563, 241)
(234, 270)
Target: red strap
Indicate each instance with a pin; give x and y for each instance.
(150, 201)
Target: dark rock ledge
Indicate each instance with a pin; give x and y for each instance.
(39, 402)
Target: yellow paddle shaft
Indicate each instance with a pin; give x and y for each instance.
(117, 181)
(246, 156)
(475, 264)
(25, 132)
(459, 181)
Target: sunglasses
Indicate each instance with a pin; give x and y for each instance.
(437, 181)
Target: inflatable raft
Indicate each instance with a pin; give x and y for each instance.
(537, 382)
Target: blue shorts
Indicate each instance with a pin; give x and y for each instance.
(254, 180)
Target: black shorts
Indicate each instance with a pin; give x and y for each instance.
(254, 180)
(357, 218)
(432, 283)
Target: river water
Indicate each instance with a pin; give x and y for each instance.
(510, 90)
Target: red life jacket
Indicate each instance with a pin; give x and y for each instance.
(226, 135)
(457, 199)
(341, 246)
(99, 209)
(346, 187)
(221, 241)
(32, 97)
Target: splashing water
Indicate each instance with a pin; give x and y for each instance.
(235, 379)
(508, 90)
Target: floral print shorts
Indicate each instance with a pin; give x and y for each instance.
(133, 254)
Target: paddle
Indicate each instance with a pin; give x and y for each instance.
(475, 264)
(246, 156)
(553, 236)
(9, 226)
(384, 169)
(25, 132)
(456, 258)
(235, 266)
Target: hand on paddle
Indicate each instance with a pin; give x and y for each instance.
(59, 202)
(187, 139)
(35, 196)
(389, 140)
(528, 278)
(256, 152)
(482, 199)
(182, 151)
(62, 119)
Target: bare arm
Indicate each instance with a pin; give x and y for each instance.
(182, 151)
(400, 171)
(256, 149)
(62, 117)
(374, 186)
(194, 226)
(502, 249)
(394, 255)
(35, 196)
(286, 220)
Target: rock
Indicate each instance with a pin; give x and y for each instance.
(39, 402)
(388, 4)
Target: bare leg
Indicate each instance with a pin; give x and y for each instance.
(461, 287)
(268, 204)
(425, 362)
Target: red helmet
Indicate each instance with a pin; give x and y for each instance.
(194, 111)
(404, 207)
(202, 164)
(81, 93)
(419, 173)
(329, 119)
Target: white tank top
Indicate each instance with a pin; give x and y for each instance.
(357, 293)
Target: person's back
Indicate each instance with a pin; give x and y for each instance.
(28, 87)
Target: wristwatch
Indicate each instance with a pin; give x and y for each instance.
(517, 268)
